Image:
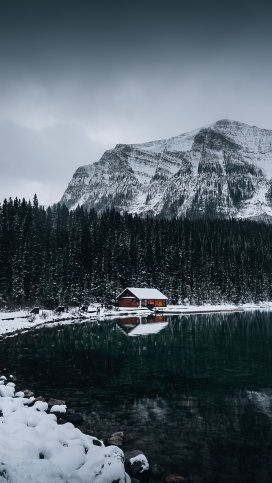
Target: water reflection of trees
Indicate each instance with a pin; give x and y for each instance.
(200, 349)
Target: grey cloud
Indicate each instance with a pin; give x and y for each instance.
(79, 77)
(46, 158)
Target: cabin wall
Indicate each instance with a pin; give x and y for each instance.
(128, 302)
(133, 302)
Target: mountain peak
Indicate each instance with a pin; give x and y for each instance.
(227, 122)
(222, 170)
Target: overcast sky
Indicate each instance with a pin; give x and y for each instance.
(78, 77)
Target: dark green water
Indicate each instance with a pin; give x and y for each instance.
(195, 397)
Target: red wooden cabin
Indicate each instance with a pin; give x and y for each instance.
(141, 297)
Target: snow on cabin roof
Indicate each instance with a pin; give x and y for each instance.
(145, 293)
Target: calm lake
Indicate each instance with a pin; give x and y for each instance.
(194, 392)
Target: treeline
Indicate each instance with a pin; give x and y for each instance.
(53, 256)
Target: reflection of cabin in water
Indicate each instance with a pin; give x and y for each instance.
(141, 297)
(128, 324)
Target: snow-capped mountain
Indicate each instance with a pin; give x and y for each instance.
(224, 169)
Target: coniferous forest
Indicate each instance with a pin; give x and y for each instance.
(52, 256)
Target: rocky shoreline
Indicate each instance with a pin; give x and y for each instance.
(44, 441)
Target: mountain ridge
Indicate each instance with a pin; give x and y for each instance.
(220, 170)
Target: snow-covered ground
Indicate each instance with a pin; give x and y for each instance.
(35, 449)
(22, 320)
(191, 309)
(12, 322)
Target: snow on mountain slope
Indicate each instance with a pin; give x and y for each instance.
(222, 170)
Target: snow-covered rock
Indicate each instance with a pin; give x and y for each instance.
(224, 169)
(6, 391)
(58, 408)
(136, 464)
(140, 459)
(35, 449)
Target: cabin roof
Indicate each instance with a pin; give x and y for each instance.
(145, 293)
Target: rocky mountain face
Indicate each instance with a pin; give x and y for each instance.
(222, 170)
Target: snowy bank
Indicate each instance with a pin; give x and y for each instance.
(12, 322)
(22, 320)
(35, 449)
(209, 308)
